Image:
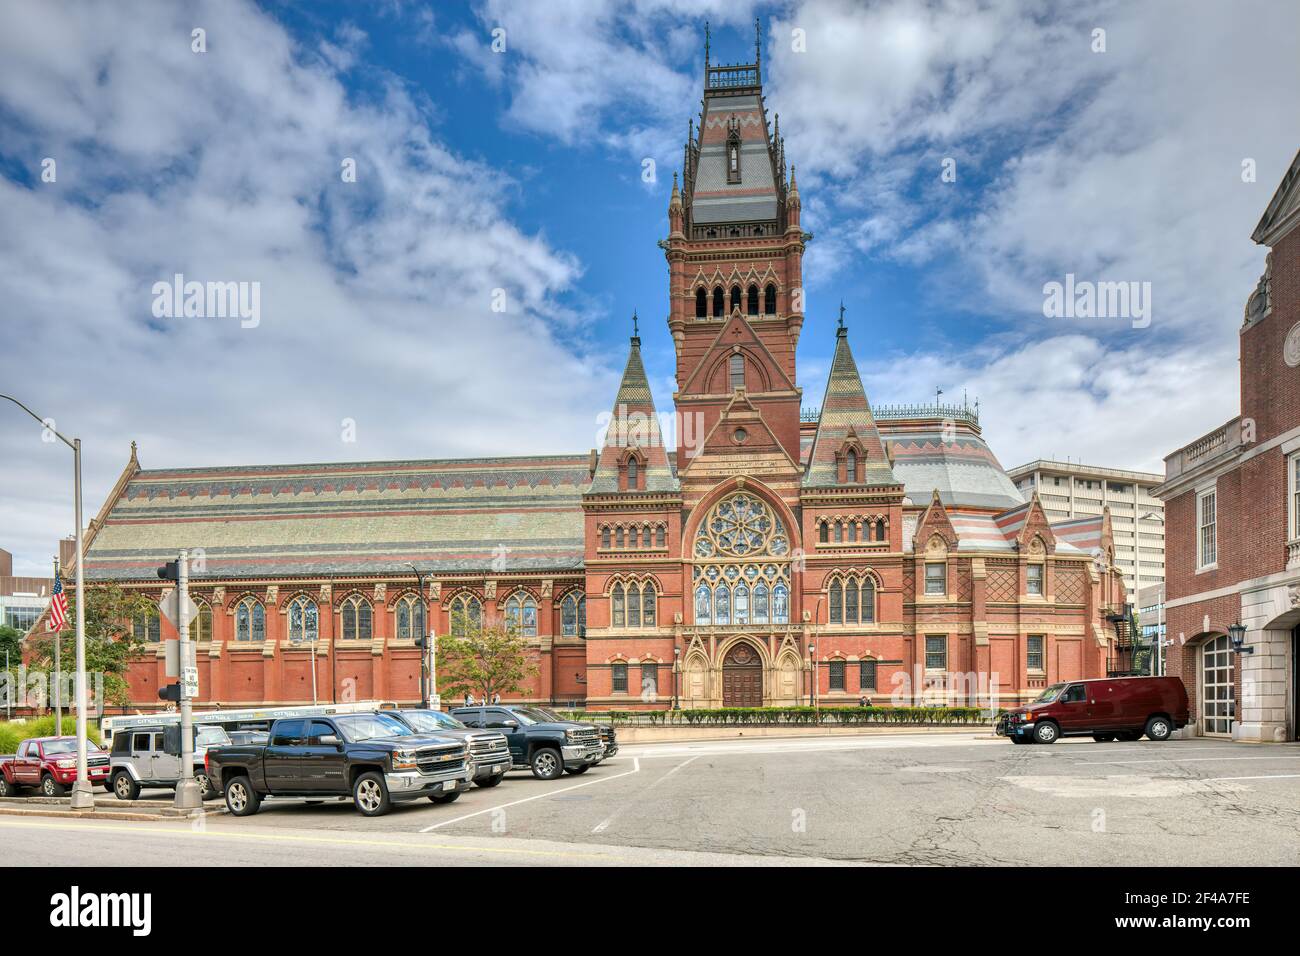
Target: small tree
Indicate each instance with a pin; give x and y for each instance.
(483, 659)
(11, 640)
(110, 643)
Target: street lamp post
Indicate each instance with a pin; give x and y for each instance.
(428, 680)
(83, 797)
(677, 664)
(1158, 657)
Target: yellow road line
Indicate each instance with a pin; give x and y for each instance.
(184, 830)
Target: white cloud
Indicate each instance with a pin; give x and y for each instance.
(376, 295)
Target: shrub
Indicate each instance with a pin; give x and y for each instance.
(14, 732)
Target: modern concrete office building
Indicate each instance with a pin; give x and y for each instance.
(1072, 490)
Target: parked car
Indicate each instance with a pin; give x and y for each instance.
(374, 757)
(1116, 708)
(539, 742)
(150, 758)
(489, 749)
(607, 735)
(49, 764)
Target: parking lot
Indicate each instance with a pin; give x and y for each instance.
(924, 799)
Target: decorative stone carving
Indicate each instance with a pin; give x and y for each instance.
(1293, 595)
(435, 591)
(1291, 347)
(381, 593)
(218, 596)
(272, 594)
(490, 590)
(325, 593)
(548, 586)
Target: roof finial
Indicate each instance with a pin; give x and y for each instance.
(636, 332)
(937, 393)
(758, 48)
(706, 48)
(841, 332)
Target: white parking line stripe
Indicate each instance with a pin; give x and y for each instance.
(636, 768)
(603, 824)
(1263, 776)
(1173, 761)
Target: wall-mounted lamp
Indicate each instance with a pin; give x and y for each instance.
(1237, 635)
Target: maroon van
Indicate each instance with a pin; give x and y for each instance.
(1113, 708)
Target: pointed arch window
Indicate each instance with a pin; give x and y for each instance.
(703, 605)
(769, 300)
(147, 626)
(853, 531)
(736, 302)
(751, 302)
(837, 602)
(740, 604)
(521, 615)
(761, 596)
(605, 537)
(721, 605)
(633, 479)
(719, 303)
(733, 157)
(851, 467)
(466, 614)
(201, 623)
(736, 371)
(660, 535)
(824, 532)
(633, 605)
(839, 532)
(410, 618)
(573, 615)
(880, 529)
(621, 537)
(304, 626)
(868, 601)
(781, 604)
(357, 619)
(250, 620)
(701, 304)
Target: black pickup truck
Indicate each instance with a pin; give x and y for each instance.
(489, 750)
(374, 757)
(547, 746)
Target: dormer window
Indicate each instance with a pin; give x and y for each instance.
(733, 155)
(632, 474)
(851, 467)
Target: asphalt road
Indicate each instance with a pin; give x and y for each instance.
(919, 799)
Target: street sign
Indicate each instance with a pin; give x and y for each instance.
(189, 683)
(168, 609)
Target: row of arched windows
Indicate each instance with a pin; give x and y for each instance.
(746, 301)
(852, 600)
(633, 605)
(741, 604)
(839, 530)
(356, 618)
(631, 537)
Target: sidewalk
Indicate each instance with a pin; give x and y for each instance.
(685, 732)
(106, 808)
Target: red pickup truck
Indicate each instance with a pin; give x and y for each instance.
(50, 765)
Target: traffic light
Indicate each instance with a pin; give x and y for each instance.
(171, 571)
(171, 692)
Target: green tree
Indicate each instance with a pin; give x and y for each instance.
(11, 640)
(110, 644)
(483, 660)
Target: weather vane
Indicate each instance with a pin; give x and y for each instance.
(841, 313)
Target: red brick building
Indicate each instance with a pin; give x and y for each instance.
(1232, 513)
(765, 551)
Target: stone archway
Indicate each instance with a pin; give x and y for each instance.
(742, 676)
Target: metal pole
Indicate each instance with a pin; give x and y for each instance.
(9, 689)
(83, 798)
(188, 796)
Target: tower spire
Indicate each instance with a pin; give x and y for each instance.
(841, 332)
(636, 333)
(758, 48)
(706, 53)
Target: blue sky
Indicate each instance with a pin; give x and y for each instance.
(521, 170)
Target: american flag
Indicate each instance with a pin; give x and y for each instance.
(58, 608)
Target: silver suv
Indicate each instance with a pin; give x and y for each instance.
(150, 757)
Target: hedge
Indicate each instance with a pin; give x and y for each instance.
(14, 732)
(793, 716)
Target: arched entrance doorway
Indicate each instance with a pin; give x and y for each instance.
(742, 677)
(1218, 688)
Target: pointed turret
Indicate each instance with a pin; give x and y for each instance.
(633, 433)
(846, 424)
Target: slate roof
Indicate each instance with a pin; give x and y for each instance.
(754, 198)
(981, 531)
(349, 518)
(845, 411)
(634, 424)
(959, 464)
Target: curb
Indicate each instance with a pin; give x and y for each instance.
(86, 814)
